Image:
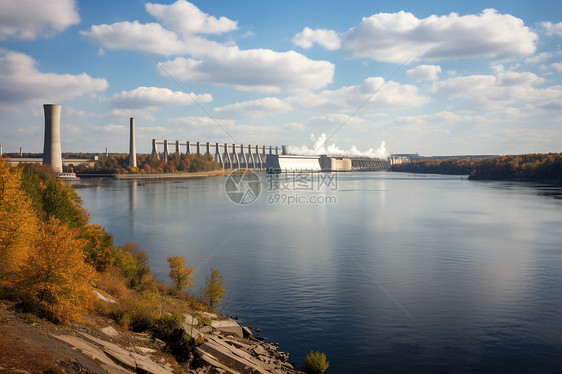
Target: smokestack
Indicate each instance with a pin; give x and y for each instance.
(51, 146)
(132, 149)
(21, 153)
(284, 150)
(106, 152)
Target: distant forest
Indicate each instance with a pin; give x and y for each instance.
(514, 167)
(147, 164)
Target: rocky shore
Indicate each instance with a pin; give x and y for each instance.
(98, 346)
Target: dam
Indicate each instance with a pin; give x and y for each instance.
(323, 163)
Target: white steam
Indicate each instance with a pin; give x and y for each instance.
(319, 147)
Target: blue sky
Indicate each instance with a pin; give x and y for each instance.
(439, 77)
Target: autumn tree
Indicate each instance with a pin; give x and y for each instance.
(180, 274)
(18, 223)
(214, 290)
(55, 282)
(52, 197)
(99, 249)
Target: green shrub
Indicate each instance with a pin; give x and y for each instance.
(164, 327)
(315, 363)
(202, 320)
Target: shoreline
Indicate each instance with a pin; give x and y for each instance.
(199, 174)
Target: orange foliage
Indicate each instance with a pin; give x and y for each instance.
(18, 224)
(55, 281)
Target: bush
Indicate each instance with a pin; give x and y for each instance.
(315, 363)
(165, 327)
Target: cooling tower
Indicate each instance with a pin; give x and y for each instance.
(132, 149)
(51, 147)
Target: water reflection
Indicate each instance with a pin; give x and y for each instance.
(478, 265)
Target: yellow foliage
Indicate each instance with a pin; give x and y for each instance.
(55, 281)
(214, 291)
(18, 223)
(181, 275)
(113, 283)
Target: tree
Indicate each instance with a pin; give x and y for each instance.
(18, 223)
(214, 291)
(52, 197)
(55, 281)
(315, 363)
(180, 274)
(99, 249)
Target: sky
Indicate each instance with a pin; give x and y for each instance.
(432, 77)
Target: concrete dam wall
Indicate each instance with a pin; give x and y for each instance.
(288, 163)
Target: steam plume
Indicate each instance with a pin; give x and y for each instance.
(318, 147)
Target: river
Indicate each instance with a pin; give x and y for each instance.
(384, 272)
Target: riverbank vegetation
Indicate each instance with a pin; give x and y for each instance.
(147, 164)
(530, 167)
(58, 266)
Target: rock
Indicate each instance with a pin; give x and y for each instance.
(190, 320)
(231, 357)
(146, 365)
(210, 315)
(211, 360)
(110, 331)
(259, 351)
(95, 353)
(206, 330)
(191, 331)
(228, 326)
(144, 350)
(115, 352)
(246, 332)
(259, 330)
(105, 298)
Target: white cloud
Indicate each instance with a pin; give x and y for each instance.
(298, 126)
(503, 88)
(150, 37)
(22, 84)
(539, 57)
(154, 97)
(336, 119)
(259, 108)
(557, 66)
(326, 38)
(186, 19)
(395, 37)
(201, 121)
(29, 19)
(261, 70)
(32, 130)
(424, 72)
(381, 96)
(67, 128)
(112, 128)
(552, 29)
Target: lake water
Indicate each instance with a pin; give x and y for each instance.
(401, 273)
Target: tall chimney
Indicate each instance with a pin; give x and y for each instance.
(51, 146)
(132, 149)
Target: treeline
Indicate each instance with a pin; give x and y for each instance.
(148, 164)
(453, 166)
(522, 167)
(515, 167)
(53, 262)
